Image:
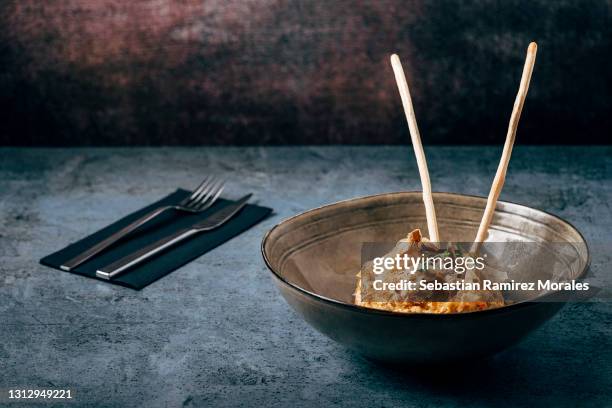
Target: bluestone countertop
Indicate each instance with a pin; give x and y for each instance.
(217, 333)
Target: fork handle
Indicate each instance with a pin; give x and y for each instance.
(102, 245)
(107, 272)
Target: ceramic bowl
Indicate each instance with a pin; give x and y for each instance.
(314, 257)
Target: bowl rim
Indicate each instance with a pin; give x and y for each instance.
(368, 310)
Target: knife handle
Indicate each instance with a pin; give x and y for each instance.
(109, 271)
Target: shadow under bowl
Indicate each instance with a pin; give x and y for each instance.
(314, 257)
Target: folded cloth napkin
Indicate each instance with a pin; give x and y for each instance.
(167, 261)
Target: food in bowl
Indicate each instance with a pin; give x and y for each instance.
(439, 301)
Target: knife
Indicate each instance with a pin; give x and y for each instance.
(214, 221)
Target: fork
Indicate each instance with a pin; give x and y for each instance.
(200, 200)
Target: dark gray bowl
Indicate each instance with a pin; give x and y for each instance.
(315, 255)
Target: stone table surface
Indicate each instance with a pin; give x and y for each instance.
(217, 333)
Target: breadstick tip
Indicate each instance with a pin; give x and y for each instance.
(533, 47)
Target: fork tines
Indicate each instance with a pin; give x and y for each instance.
(204, 195)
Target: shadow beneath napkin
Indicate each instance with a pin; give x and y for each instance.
(142, 275)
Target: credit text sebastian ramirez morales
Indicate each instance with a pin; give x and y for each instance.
(548, 285)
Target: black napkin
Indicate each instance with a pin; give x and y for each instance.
(170, 221)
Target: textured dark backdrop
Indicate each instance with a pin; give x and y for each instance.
(111, 72)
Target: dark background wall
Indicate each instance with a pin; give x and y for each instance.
(146, 72)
